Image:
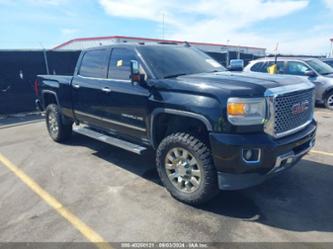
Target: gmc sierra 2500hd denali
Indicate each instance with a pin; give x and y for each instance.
(211, 129)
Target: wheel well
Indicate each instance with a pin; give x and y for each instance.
(49, 98)
(327, 92)
(166, 124)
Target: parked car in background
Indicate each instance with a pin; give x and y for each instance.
(328, 61)
(318, 72)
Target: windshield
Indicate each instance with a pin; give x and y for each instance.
(329, 62)
(321, 67)
(172, 61)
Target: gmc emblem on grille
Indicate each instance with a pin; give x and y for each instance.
(300, 107)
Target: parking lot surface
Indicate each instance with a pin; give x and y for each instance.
(119, 196)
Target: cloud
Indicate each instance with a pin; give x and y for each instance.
(68, 31)
(35, 2)
(329, 4)
(210, 21)
(48, 2)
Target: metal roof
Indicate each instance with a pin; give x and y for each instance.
(148, 40)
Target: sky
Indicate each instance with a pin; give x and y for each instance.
(297, 26)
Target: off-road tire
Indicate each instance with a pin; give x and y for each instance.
(208, 187)
(64, 130)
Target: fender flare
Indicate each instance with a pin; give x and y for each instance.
(158, 111)
(49, 92)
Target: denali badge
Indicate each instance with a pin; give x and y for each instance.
(300, 107)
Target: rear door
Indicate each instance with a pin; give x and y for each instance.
(125, 106)
(87, 86)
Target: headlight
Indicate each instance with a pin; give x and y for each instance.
(246, 111)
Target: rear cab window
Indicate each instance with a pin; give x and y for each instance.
(94, 64)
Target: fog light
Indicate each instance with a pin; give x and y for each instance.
(251, 155)
(248, 154)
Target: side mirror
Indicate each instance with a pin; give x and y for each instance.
(136, 76)
(310, 73)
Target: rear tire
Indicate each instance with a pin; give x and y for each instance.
(186, 169)
(58, 130)
(329, 100)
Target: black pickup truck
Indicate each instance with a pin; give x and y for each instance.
(210, 129)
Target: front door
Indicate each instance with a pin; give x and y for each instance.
(125, 105)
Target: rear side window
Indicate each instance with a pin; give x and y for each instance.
(120, 63)
(257, 67)
(262, 67)
(94, 64)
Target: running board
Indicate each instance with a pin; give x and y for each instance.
(86, 131)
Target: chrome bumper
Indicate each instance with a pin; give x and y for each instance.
(286, 160)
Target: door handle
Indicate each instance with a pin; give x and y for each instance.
(106, 89)
(77, 86)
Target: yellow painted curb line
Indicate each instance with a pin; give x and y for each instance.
(321, 153)
(84, 229)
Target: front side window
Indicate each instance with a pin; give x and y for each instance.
(120, 63)
(297, 68)
(94, 64)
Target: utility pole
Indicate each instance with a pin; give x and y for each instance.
(45, 59)
(163, 25)
(228, 56)
(331, 52)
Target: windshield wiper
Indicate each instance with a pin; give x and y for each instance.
(174, 75)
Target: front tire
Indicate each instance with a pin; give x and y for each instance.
(329, 100)
(58, 130)
(186, 168)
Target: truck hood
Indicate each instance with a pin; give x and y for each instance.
(240, 84)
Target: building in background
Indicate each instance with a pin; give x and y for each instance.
(331, 51)
(221, 52)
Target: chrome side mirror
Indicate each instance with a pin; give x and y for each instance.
(136, 75)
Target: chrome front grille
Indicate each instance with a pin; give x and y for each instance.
(289, 111)
(293, 110)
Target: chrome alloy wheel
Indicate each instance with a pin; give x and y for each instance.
(183, 170)
(53, 124)
(330, 101)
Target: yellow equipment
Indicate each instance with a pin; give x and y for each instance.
(272, 69)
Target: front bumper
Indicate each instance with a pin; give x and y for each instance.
(277, 155)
